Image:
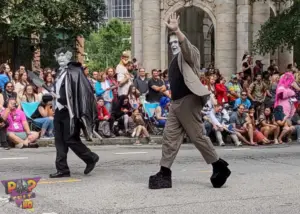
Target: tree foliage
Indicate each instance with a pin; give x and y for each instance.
(282, 30)
(105, 47)
(50, 18)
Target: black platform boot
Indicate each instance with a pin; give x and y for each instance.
(220, 173)
(163, 179)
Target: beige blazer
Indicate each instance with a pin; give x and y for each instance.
(189, 65)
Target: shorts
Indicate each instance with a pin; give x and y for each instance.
(21, 135)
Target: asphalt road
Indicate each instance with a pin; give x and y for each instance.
(264, 180)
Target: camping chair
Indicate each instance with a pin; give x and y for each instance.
(29, 109)
(150, 120)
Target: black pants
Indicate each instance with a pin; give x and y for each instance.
(64, 141)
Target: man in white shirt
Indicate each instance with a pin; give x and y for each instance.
(123, 76)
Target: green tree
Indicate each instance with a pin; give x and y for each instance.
(280, 31)
(50, 18)
(105, 47)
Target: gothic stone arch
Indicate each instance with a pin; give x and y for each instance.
(170, 6)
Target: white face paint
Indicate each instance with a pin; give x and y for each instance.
(63, 58)
(174, 44)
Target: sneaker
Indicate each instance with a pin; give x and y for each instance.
(222, 144)
(220, 173)
(239, 144)
(160, 181)
(19, 146)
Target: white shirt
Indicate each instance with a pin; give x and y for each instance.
(121, 71)
(58, 83)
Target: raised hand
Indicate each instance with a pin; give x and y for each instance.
(173, 24)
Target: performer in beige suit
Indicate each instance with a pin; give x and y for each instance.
(188, 98)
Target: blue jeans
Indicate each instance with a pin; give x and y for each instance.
(298, 132)
(45, 123)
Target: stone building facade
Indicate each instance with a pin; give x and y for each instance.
(231, 24)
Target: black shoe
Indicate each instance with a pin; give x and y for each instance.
(160, 181)
(91, 166)
(220, 173)
(60, 175)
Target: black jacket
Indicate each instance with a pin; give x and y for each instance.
(80, 100)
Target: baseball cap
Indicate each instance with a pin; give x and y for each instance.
(233, 76)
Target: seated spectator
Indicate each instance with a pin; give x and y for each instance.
(3, 134)
(140, 129)
(234, 89)
(16, 78)
(19, 87)
(29, 96)
(242, 100)
(42, 119)
(296, 122)
(268, 125)
(133, 95)
(8, 93)
(157, 88)
(238, 119)
(122, 113)
(221, 91)
(18, 130)
(104, 124)
(219, 120)
(104, 89)
(161, 112)
(284, 124)
(257, 135)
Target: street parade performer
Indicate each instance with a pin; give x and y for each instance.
(75, 109)
(188, 98)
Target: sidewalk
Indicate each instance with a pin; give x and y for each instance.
(104, 141)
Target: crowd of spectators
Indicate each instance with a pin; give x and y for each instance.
(249, 109)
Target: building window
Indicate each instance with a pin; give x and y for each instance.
(106, 10)
(121, 8)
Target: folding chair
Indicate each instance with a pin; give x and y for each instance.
(29, 109)
(151, 122)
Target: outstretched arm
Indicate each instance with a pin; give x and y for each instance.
(189, 52)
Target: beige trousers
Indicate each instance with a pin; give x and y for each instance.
(185, 117)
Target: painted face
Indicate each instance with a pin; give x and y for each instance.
(63, 58)
(174, 44)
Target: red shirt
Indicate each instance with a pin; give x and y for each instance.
(221, 93)
(102, 112)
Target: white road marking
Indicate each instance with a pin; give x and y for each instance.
(130, 153)
(237, 149)
(15, 158)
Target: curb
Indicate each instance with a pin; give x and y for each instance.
(104, 141)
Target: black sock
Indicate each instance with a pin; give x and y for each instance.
(165, 171)
(214, 164)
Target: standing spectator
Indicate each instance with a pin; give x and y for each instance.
(3, 77)
(157, 88)
(270, 98)
(165, 77)
(29, 96)
(18, 128)
(8, 93)
(110, 72)
(95, 77)
(221, 91)
(123, 76)
(297, 84)
(247, 67)
(141, 84)
(257, 93)
(133, 95)
(104, 89)
(258, 68)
